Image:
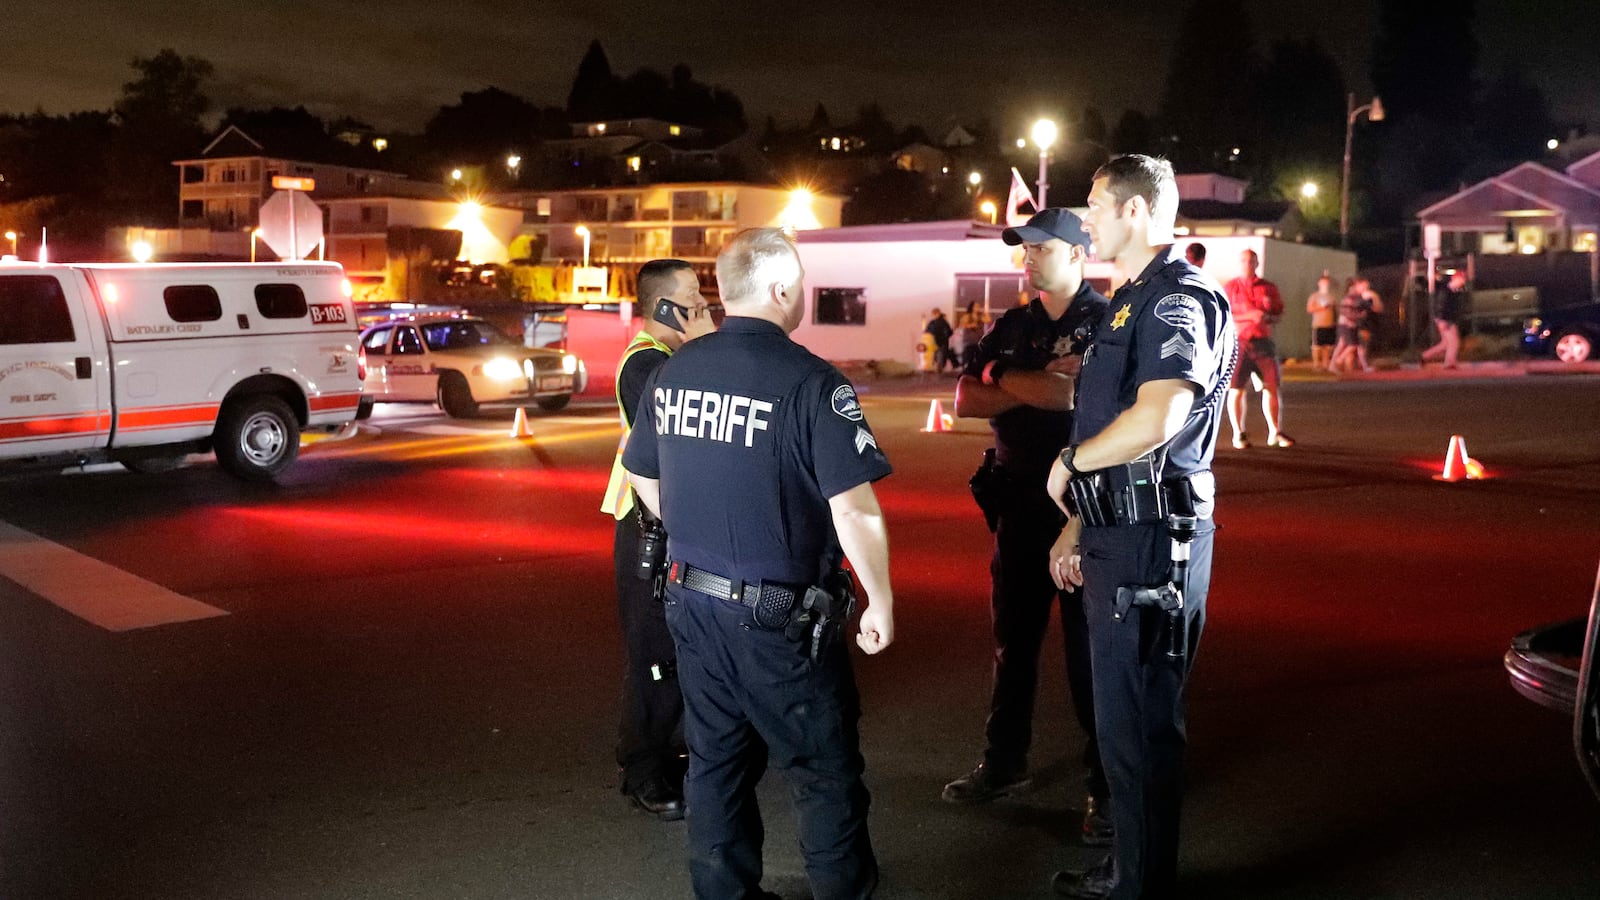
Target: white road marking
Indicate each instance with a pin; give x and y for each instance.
(97, 592)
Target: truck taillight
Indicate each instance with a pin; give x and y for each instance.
(361, 363)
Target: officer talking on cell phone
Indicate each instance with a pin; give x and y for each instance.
(1137, 483)
(649, 737)
(1022, 379)
(758, 458)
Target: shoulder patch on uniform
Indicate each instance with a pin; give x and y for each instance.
(864, 439)
(1178, 345)
(1179, 310)
(845, 404)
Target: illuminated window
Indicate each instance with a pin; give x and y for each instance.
(675, 130)
(1584, 243)
(836, 143)
(633, 163)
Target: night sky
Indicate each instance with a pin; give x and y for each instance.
(393, 63)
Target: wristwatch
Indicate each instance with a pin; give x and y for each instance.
(1066, 460)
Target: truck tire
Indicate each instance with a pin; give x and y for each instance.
(257, 437)
(1574, 347)
(455, 396)
(553, 404)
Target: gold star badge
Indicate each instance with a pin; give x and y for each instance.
(1121, 318)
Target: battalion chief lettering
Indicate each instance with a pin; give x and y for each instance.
(708, 415)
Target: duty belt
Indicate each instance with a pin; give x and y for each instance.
(771, 603)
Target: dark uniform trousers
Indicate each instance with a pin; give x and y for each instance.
(1139, 697)
(648, 745)
(1020, 601)
(745, 686)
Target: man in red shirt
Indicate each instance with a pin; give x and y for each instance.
(1256, 305)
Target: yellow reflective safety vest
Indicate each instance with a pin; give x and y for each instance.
(619, 494)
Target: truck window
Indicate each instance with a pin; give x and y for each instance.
(377, 340)
(281, 301)
(33, 310)
(192, 303)
(406, 340)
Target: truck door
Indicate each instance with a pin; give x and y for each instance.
(409, 378)
(376, 345)
(54, 394)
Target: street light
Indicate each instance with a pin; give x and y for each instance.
(583, 232)
(1309, 190)
(988, 208)
(455, 174)
(12, 237)
(1044, 134)
(975, 179)
(513, 163)
(1552, 144)
(141, 251)
(1374, 111)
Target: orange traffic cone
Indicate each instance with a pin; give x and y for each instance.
(1458, 466)
(938, 419)
(519, 425)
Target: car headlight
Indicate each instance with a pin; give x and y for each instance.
(502, 369)
(569, 364)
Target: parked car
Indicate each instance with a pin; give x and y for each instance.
(1569, 335)
(462, 363)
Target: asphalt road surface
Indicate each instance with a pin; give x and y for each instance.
(394, 675)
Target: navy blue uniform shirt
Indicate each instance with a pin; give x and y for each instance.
(749, 434)
(1026, 339)
(1172, 321)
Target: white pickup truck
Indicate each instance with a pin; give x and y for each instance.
(144, 364)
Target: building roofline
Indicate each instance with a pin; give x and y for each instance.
(1493, 180)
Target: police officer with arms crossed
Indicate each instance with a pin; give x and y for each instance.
(758, 458)
(648, 742)
(1021, 379)
(1142, 494)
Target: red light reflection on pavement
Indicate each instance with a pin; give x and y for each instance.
(592, 480)
(481, 535)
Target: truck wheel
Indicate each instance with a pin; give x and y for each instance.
(257, 437)
(552, 404)
(455, 396)
(151, 465)
(1574, 347)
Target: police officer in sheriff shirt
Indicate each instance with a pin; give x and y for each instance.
(648, 740)
(758, 458)
(1152, 383)
(1021, 379)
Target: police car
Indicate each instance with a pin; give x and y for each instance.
(461, 363)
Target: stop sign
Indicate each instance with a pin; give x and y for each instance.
(291, 224)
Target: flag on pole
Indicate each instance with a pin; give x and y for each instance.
(1018, 196)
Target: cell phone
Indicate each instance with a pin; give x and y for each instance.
(663, 314)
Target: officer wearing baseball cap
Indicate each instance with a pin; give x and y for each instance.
(1023, 380)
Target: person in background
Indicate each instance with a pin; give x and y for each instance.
(1446, 306)
(1323, 308)
(939, 327)
(1195, 253)
(1359, 305)
(1256, 305)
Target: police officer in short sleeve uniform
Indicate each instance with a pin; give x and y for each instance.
(760, 461)
(1021, 379)
(1162, 356)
